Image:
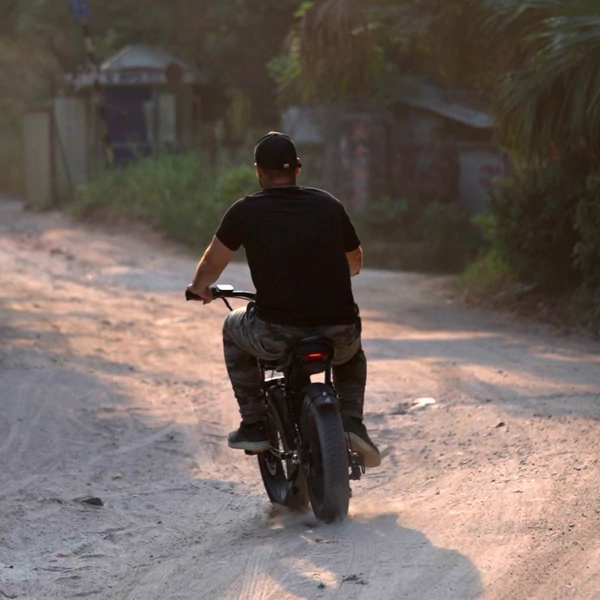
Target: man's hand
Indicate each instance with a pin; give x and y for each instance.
(204, 293)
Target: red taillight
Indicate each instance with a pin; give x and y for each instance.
(313, 356)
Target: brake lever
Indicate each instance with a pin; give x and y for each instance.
(191, 296)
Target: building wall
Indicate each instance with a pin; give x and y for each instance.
(70, 145)
(37, 151)
(411, 154)
(480, 166)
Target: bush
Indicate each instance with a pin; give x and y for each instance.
(544, 233)
(587, 225)
(534, 225)
(584, 307)
(235, 184)
(432, 237)
(452, 238)
(178, 194)
(546, 224)
(488, 276)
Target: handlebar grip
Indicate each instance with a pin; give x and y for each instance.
(191, 296)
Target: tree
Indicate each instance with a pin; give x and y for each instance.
(538, 58)
(330, 53)
(552, 95)
(352, 48)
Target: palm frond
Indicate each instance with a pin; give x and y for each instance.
(334, 49)
(555, 96)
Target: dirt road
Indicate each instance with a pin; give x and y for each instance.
(111, 386)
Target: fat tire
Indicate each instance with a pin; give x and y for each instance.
(328, 475)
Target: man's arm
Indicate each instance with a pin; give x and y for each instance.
(351, 241)
(355, 261)
(209, 269)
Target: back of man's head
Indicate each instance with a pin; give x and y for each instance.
(275, 153)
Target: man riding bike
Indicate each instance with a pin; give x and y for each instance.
(302, 250)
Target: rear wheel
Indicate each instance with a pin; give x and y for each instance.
(285, 483)
(328, 477)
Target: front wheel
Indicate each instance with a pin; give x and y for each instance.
(327, 477)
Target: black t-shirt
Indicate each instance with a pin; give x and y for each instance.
(296, 240)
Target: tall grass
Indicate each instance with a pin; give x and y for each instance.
(178, 194)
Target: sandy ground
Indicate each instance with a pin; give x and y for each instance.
(112, 386)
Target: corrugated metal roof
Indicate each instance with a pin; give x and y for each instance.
(138, 64)
(139, 56)
(429, 97)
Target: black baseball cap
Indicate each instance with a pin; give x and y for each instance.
(276, 151)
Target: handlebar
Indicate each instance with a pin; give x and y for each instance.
(223, 292)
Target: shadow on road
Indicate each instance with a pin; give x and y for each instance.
(368, 556)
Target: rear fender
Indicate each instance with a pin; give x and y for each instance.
(321, 396)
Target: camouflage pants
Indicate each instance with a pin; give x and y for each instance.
(246, 338)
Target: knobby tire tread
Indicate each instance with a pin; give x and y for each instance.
(333, 505)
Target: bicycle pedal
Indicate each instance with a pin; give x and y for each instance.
(254, 452)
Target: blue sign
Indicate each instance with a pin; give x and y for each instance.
(80, 9)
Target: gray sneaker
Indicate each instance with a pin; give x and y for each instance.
(253, 438)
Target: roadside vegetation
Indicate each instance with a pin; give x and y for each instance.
(543, 226)
(542, 236)
(185, 197)
(536, 61)
(178, 194)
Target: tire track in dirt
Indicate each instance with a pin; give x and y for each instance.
(134, 387)
(254, 581)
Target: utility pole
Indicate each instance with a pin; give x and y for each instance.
(80, 9)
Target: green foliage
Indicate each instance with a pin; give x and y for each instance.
(534, 227)
(543, 233)
(176, 194)
(235, 184)
(445, 44)
(544, 224)
(537, 57)
(330, 54)
(434, 237)
(587, 225)
(488, 276)
(551, 94)
(584, 307)
(356, 49)
(238, 39)
(451, 236)
(386, 218)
